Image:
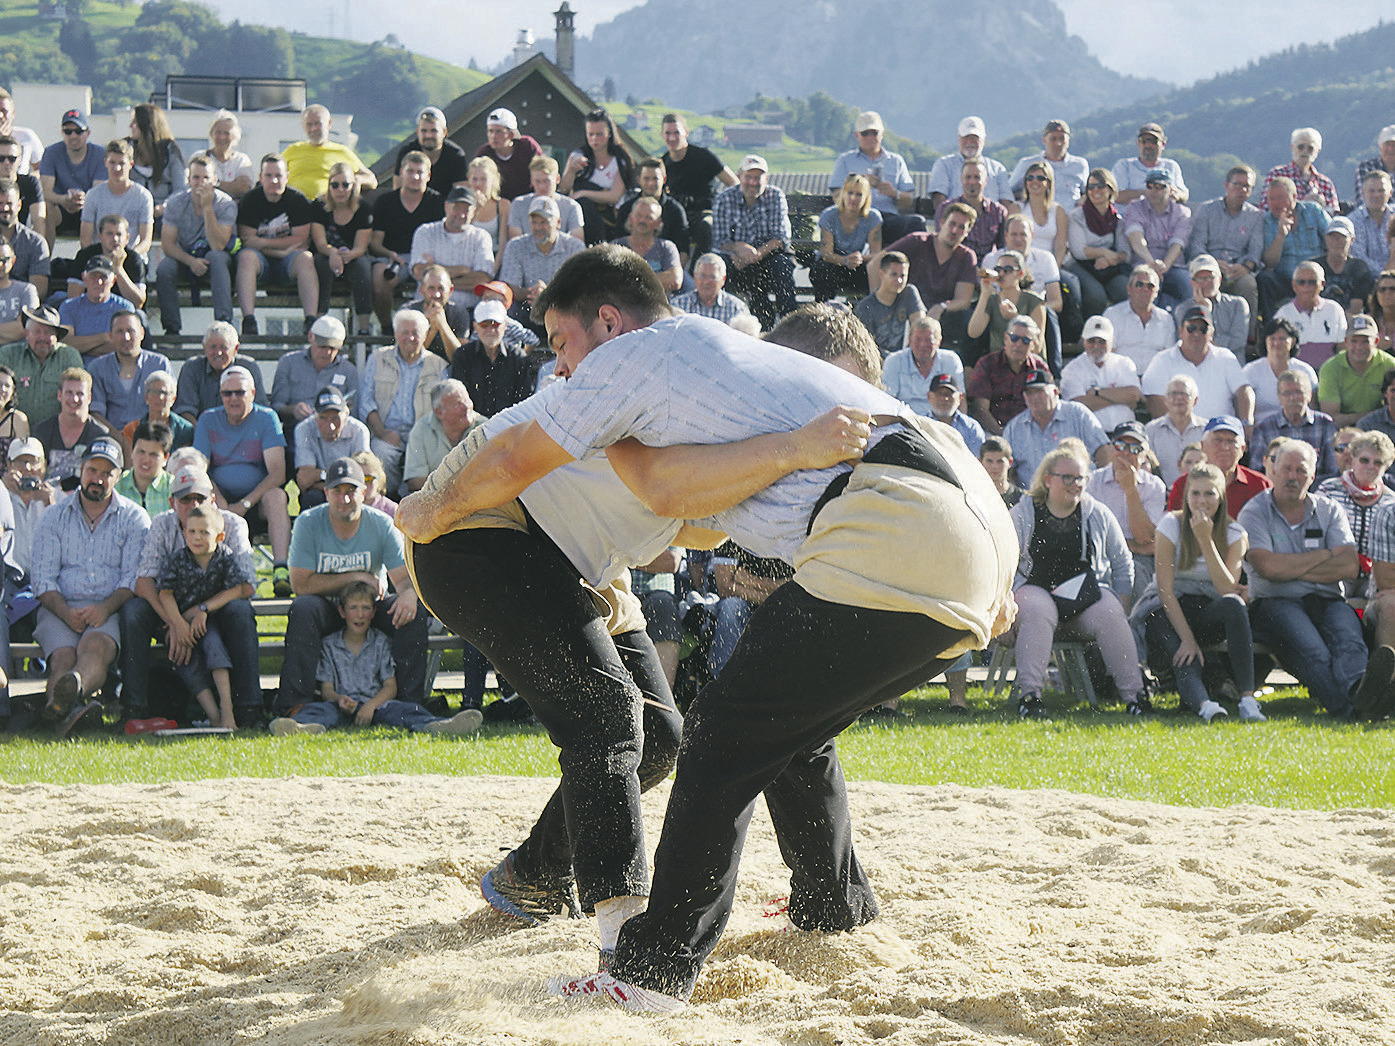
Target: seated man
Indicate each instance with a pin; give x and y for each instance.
(996, 384)
(200, 379)
(39, 362)
(397, 215)
(1142, 328)
(449, 164)
(1351, 383)
(1229, 312)
(246, 453)
(301, 375)
(1047, 420)
(1131, 173)
(1157, 227)
(1295, 420)
(1137, 498)
(446, 321)
(127, 266)
(15, 295)
(1294, 231)
(1321, 322)
(1100, 379)
(511, 152)
(85, 558)
(30, 496)
(644, 223)
(907, 373)
(1223, 442)
(68, 435)
(495, 375)
(689, 171)
(308, 162)
(894, 303)
(942, 270)
(1301, 549)
(751, 230)
(119, 377)
(195, 234)
(120, 195)
(31, 262)
(529, 262)
(68, 169)
(707, 297)
(331, 433)
(1072, 172)
(946, 401)
(946, 171)
(273, 223)
(1231, 230)
(990, 225)
(893, 190)
(544, 175)
(452, 416)
(1305, 143)
(1216, 371)
(396, 390)
(333, 546)
(90, 315)
(454, 243)
(1382, 419)
(146, 482)
(673, 218)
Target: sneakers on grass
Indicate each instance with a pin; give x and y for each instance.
(1030, 706)
(1249, 710)
(603, 985)
(534, 903)
(285, 727)
(1210, 710)
(466, 721)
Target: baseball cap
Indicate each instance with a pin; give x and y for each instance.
(1098, 327)
(431, 113)
(1131, 430)
(1038, 379)
(1197, 312)
(752, 162)
(1387, 134)
(26, 446)
(76, 116)
(344, 470)
(1203, 261)
(1342, 225)
(1153, 129)
(491, 310)
(498, 287)
(1158, 176)
(972, 125)
(1226, 423)
(1057, 125)
(98, 263)
(943, 381)
(191, 481)
(327, 328)
(544, 205)
(461, 192)
(330, 398)
(104, 447)
(1358, 324)
(502, 117)
(869, 121)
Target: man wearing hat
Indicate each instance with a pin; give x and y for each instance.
(397, 215)
(465, 251)
(1223, 441)
(529, 262)
(195, 234)
(1137, 498)
(1229, 312)
(332, 545)
(143, 619)
(330, 433)
(1352, 382)
(85, 559)
(1217, 373)
(90, 313)
(516, 335)
(449, 164)
(1099, 378)
(1321, 322)
(30, 495)
(1350, 281)
(452, 416)
(1371, 219)
(1131, 173)
(30, 263)
(545, 176)
(308, 161)
(751, 231)
(68, 168)
(893, 190)
(946, 176)
(1385, 161)
(39, 361)
(945, 398)
(511, 152)
(301, 375)
(1157, 228)
(1047, 420)
(1072, 172)
(496, 375)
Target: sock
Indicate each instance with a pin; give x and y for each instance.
(612, 914)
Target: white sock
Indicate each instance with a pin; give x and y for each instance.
(611, 914)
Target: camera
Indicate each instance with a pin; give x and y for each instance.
(28, 483)
(391, 271)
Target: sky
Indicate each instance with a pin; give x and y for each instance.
(1202, 37)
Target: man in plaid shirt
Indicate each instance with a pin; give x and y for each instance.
(1312, 184)
(1296, 421)
(751, 230)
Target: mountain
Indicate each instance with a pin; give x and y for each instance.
(923, 64)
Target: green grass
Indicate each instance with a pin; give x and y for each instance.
(1297, 760)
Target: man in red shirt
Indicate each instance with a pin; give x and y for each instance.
(1224, 444)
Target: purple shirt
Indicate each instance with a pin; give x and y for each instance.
(1173, 225)
(935, 281)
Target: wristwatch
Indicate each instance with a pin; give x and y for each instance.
(203, 607)
(246, 504)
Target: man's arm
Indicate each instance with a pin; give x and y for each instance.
(1321, 565)
(306, 582)
(405, 607)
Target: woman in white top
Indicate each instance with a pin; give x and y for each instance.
(598, 175)
(491, 214)
(1196, 597)
(1049, 222)
(232, 168)
(1280, 354)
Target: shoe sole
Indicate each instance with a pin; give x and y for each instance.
(67, 692)
(278, 728)
(462, 723)
(500, 903)
(1374, 690)
(77, 715)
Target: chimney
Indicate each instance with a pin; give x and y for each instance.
(566, 39)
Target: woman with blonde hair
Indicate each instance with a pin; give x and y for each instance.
(233, 169)
(850, 234)
(491, 215)
(1195, 600)
(1075, 573)
(341, 225)
(1050, 225)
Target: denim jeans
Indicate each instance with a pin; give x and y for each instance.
(408, 715)
(219, 278)
(1318, 640)
(1210, 620)
(236, 623)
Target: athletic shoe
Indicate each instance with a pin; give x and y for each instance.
(286, 726)
(532, 902)
(67, 693)
(1139, 706)
(281, 582)
(1249, 711)
(249, 327)
(88, 713)
(1209, 710)
(630, 996)
(511, 709)
(465, 722)
(1029, 706)
(1371, 691)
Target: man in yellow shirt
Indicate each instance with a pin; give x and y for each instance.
(309, 161)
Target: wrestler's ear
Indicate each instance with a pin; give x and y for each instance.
(612, 320)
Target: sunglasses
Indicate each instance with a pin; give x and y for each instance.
(9, 159)
(487, 323)
(73, 130)
(1128, 446)
(1096, 185)
(1305, 283)
(1068, 479)
(1341, 448)
(1008, 268)
(1142, 283)
(192, 499)
(340, 185)
(1036, 178)
(866, 134)
(1196, 328)
(232, 393)
(1020, 339)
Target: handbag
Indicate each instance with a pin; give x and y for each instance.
(1076, 595)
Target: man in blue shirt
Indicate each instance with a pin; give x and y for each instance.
(90, 313)
(1047, 420)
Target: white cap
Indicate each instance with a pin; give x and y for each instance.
(329, 329)
(1203, 261)
(491, 310)
(972, 125)
(1387, 134)
(871, 120)
(502, 117)
(753, 162)
(432, 113)
(1342, 224)
(1098, 327)
(27, 445)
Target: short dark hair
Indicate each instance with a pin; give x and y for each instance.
(1387, 381)
(208, 511)
(155, 432)
(122, 312)
(357, 588)
(1279, 323)
(995, 445)
(606, 274)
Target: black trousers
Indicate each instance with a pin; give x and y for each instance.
(804, 670)
(520, 603)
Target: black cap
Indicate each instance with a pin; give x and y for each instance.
(1038, 379)
(99, 262)
(344, 470)
(943, 381)
(330, 398)
(1130, 429)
